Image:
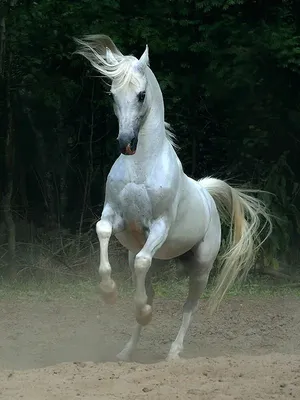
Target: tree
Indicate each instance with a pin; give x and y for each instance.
(229, 71)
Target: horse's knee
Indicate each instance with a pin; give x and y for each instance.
(103, 229)
(142, 264)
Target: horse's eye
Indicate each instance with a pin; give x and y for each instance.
(141, 96)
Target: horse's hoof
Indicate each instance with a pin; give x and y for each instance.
(173, 357)
(124, 355)
(110, 298)
(144, 316)
(109, 295)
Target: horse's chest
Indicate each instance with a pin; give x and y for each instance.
(135, 208)
(135, 204)
(136, 231)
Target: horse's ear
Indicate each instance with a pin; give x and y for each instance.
(144, 60)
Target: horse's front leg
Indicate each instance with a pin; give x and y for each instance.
(157, 235)
(108, 223)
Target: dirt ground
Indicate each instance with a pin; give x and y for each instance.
(64, 348)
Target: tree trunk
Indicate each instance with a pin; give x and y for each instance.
(9, 155)
(45, 176)
(9, 167)
(2, 45)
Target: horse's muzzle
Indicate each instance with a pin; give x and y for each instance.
(128, 147)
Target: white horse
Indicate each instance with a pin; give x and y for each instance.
(154, 209)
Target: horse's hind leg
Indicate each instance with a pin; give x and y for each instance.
(198, 277)
(199, 264)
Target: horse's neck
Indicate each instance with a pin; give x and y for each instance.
(152, 138)
(148, 155)
(152, 142)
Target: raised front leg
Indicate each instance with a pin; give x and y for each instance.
(156, 238)
(104, 229)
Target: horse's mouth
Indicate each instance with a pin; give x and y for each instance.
(130, 148)
(129, 151)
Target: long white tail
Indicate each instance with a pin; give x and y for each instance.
(244, 214)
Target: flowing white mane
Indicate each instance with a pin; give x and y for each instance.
(108, 60)
(105, 57)
(171, 136)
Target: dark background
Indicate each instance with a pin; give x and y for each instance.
(230, 75)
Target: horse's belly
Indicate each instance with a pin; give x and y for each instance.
(133, 238)
(173, 247)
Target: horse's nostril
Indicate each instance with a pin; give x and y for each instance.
(133, 143)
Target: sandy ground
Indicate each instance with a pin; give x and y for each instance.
(60, 348)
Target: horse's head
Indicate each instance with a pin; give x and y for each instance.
(129, 85)
(130, 103)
